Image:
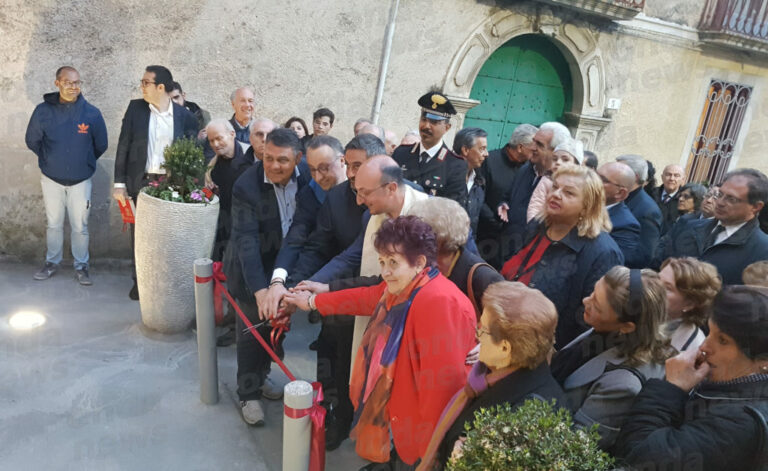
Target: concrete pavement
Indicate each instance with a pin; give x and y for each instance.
(93, 390)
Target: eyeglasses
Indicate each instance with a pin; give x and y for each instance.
(713, 194)
(728, 199)
(146, 83)
(68, 84)
(480, 331)
(323, 169)
(364, 194)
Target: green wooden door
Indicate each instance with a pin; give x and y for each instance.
(526, 80)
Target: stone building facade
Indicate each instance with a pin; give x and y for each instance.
(627, 76)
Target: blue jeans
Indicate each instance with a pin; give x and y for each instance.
(75, 201)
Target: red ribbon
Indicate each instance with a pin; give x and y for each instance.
(218, 289)
(280, 325)
(316, 414)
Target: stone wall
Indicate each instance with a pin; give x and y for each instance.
(298, 56)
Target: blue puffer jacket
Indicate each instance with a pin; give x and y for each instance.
(67, 138)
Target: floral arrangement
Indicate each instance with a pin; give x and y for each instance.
(184, 170)
(534, 437)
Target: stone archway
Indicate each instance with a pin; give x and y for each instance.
(577, 44)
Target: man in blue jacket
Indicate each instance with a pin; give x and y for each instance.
(67, 134)
(645, 210)
(617, 179)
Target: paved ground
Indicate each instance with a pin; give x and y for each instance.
(93, 390)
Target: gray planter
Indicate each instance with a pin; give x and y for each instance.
(169, 238)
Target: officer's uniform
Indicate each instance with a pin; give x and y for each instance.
(440, 172)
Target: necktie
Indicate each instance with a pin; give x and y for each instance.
(712, 237)
(665, 198)
(423, 158)
(536, 181)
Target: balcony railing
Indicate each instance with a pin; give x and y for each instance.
(610, 9)
(741, 24)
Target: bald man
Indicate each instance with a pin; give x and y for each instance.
(667, 194)
(617, 179)
(228, 163)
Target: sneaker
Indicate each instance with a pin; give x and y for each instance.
(46, 272)
(252, 412)
(134, 292)
(270, 390)
(82, 277)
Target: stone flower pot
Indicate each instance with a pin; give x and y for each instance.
(169, 237)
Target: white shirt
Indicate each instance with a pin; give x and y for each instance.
(728, 232)
(432, 151)
(471, 180)
(160, 136)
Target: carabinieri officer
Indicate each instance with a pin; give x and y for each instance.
(431, 163)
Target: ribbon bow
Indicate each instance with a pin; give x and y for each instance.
(317, 416)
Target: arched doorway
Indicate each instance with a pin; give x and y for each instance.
(526, 80)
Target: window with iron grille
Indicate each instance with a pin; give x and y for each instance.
(718, 128)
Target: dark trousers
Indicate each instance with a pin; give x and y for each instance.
(253, 362)
(334, 354)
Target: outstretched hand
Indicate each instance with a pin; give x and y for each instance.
(502, 212)
(312, 287)
(298, 298)
(684, 371)
(270, 302)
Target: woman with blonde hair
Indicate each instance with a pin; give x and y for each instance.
(603, 369)
(566, 249)
(691, 287)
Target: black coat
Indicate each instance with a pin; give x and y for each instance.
(625, 232)
(518, 199)
(224, 174)
(567, 273)
(648, 214)
(444, 175)
(339, 221)
(513, 389)
(747, 245)
(256, 233)
(669, 212)
(131, 154)
(718, 427)
(475, 202)
(498, 172)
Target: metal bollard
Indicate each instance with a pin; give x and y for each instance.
(206, 333)
(297, 432)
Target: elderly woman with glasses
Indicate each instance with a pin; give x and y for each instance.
(411, 359)
(690, 199)
(710, 411)
(516, 334)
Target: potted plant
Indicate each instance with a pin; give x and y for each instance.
(175, 224)
(534, 437)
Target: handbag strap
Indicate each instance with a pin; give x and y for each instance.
(470, 288)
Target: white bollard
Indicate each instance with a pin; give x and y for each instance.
(206, 333)
(297, 432)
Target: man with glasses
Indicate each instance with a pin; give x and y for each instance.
(430, 163)
(732, 239)
(617, 178)
(150, 124)
(67, 134)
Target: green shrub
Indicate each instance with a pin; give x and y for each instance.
(534, 437)
(184, 173)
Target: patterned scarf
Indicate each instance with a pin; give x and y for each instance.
(374, 369)
(479, 380)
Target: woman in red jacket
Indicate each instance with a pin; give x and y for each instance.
(411, 360)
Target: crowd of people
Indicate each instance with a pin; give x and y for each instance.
(447, 279)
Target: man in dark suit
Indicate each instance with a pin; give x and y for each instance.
(339, 222)
(263, 207)
(430, 163)
(733, 239)
(617, 178)
(667, 195)
(149, 126)
(645, 210)
(514, 208)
